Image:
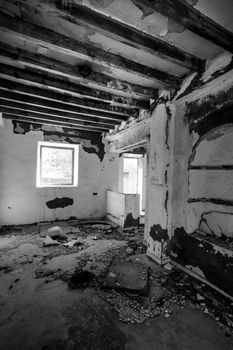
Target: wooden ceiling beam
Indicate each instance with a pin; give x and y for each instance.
(21, 93)
(45, 121)
(94, 54)
(54, 119)
(192, 19)
(114, 90)
(34, 81)
(9, 90)
(16, 106)
(132, 35)
(41, 83)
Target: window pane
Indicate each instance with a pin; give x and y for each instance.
(56, 166)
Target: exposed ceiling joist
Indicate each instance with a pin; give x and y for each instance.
(93, 54)
(42, 119)
(132, 35)
(36, 83)
(37, 96)
(13, 106)
(192, 19)
(114, 89)
(54, 106)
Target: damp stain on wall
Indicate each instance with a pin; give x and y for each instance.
(210, 112)
(158, 234)
(90, 141)
(130, 221)
(215, 264)
(59, 203)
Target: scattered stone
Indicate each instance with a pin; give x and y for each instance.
(48, 241)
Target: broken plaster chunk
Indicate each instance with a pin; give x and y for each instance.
(168, 266)
(72, 244)
(56, 231)
(48, 241)
(200, 297)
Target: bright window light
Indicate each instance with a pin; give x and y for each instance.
(57, 165)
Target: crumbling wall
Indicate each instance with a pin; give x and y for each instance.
(21, 202)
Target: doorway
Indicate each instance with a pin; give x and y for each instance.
(134, 176)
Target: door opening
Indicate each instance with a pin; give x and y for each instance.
(134, 176)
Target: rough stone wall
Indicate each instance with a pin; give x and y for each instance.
(22, 203)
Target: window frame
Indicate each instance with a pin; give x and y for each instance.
(56, 145)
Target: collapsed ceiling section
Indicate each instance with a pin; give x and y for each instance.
(91, 64)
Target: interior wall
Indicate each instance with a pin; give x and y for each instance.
(211, 174)
(22, 203)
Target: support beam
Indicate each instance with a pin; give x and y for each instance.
(12, 106)
(40, 118)
(133, 36)
(113, 89)
(33, 87)
(192, 19)
(6, 92)
(92, 54)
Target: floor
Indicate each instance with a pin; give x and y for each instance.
(41, 309)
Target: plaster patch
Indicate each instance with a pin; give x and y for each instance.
(216, 64)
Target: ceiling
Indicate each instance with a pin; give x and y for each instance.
(91, 64)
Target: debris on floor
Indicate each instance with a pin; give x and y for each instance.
(48, 241)
(94, 255)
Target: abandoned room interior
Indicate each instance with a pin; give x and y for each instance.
(116, 174)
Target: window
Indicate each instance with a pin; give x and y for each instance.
(57, 165)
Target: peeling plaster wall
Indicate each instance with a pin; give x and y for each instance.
(211, 173)
(21, 202)
(203, 134)
(202, 180)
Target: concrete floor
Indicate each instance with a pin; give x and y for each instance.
(44, 314)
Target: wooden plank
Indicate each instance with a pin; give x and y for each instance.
(192, 19)
(12, 106)
(19, 113)
(94, 54)
(114, 90)
(10, 91)
(52, 123)
(133, 36)
(34, 81)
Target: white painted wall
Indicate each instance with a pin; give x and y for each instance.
(22, 203)
(119, 205)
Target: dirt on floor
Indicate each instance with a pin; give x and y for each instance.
(88, 285)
